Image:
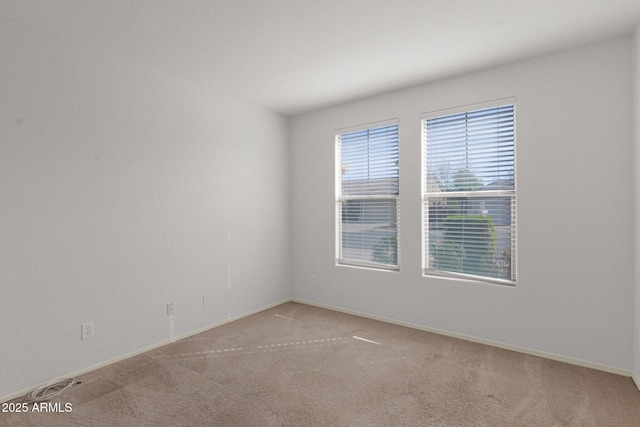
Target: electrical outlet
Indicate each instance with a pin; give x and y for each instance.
(314, 280)
(86, 330)
(171, 309)
(205, 299)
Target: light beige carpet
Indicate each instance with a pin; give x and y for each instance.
(296, 365)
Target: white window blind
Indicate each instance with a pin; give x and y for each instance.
(469, 194)
(367, 197)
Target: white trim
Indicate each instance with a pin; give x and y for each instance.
(524, 350)
(424, 214)
(442, 274)
(341, 198)
(469, 107)
(144, 350)
(378, 124)
(636, 379)
(369, 265)
(427, 196)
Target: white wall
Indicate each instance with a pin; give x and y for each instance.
(636, 259)
(573, 299)
(119, 189)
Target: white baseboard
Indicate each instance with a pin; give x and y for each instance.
(551, 356)
(143, 350)
(624, 372)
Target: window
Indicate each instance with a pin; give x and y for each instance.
(367, 197)
(469, 193)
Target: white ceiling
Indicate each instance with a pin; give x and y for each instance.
(294, 56)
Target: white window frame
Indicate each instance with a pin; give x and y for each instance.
(426, 196)
(341, 198)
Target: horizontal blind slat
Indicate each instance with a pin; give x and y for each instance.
(469, 193)
(367, 199)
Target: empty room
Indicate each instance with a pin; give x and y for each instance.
(305, 212)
